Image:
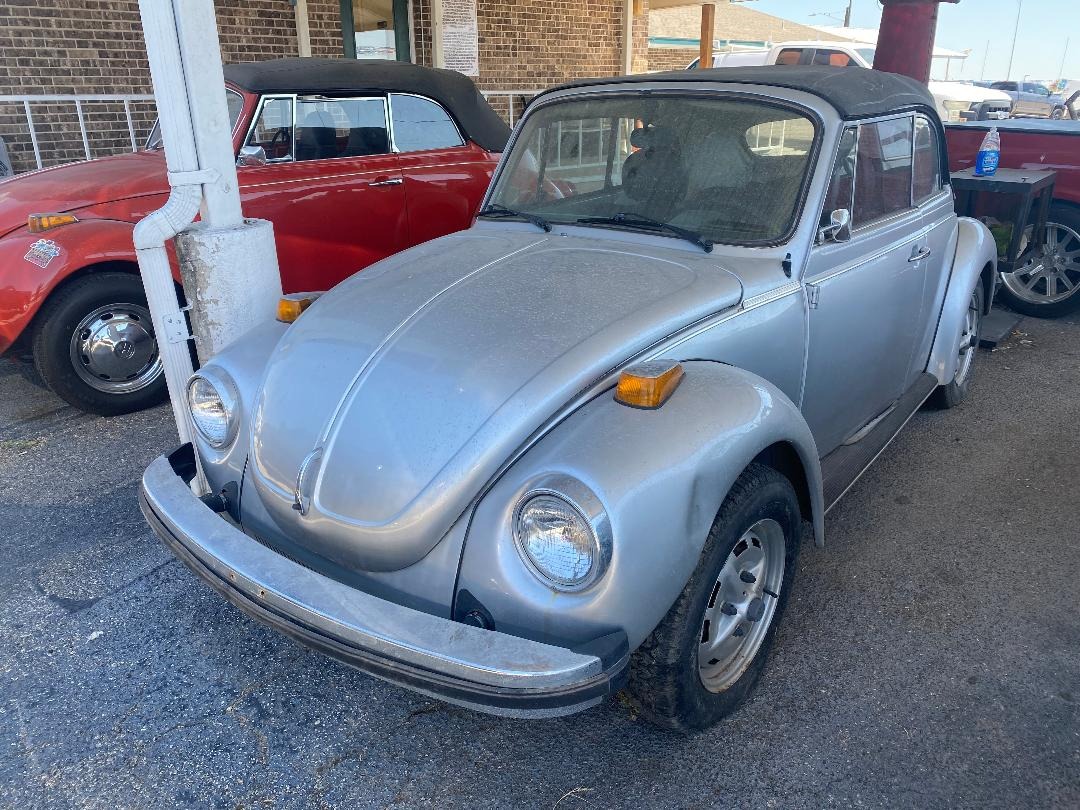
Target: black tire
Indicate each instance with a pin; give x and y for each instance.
(1057, 114)
(1069, 217)
(56, 323)
(665, 683)
(951, 395)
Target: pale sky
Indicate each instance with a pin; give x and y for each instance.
(1044, 27)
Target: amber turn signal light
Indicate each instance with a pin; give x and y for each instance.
(39, 223)
(290, 307)
(648, 385)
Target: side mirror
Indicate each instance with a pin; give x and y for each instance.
(839, 227)
(251, 156)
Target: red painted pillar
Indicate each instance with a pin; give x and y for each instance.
(906, 39)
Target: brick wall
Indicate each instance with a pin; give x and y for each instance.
(535, 45)
(671, 58)
(96, 46)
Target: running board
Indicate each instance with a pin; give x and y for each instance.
(843, 466)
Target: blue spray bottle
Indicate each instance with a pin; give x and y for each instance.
(989, 154)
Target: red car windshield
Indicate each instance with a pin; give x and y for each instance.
(232, 98)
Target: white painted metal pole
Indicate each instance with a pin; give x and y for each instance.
(628, 38)
(234, 261)
(152, 232)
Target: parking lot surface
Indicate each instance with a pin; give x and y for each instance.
(930, 655)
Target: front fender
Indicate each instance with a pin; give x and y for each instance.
(24, 285)
(243, 362)
(975, 251)
(662, 476)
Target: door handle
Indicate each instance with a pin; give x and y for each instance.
(919, 253)
(389, 181)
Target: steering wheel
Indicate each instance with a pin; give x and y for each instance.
(281, 135)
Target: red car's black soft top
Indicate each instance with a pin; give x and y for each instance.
(453, 90)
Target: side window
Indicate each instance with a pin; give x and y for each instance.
(347, 127)
(883, 171)
(927, 161)
(273, 130)
(831, 58)
(420, 123)
(842, 186)
(789, 56)
(235, 103)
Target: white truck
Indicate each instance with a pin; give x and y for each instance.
(956, 101)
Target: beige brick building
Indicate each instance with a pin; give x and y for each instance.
(60, 47)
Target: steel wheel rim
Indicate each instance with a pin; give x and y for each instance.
(739, 611)
(969, 341)
(1054, 274)
(113, 349)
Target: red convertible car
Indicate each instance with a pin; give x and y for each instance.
(351, 160)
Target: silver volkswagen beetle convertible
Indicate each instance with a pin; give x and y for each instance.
(575, 447)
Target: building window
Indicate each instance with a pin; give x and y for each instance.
(376, 29)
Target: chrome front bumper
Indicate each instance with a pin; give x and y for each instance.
(481, 669)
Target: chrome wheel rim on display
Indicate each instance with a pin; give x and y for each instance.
(113, 349)
(741, 606)
(1051, 275)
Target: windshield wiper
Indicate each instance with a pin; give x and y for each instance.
(496, 210)
(636, 221)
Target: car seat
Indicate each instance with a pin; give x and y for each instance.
(316, 137)
(655, 176)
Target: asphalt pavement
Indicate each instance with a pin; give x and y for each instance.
(930, 656)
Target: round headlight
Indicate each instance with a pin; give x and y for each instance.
(213, 408)
(558, 541)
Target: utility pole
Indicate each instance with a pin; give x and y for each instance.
(1064, 56)
(1016, 31)
(986, 55)
(847, 14)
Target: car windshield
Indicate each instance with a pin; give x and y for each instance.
(730, 170)
(232, 98)
(867, 53)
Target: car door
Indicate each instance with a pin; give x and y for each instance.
(1040, 98)
(864, 289)
(331, 185)
(933, 199)
(445, 175)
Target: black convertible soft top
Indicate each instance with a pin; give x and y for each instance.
(453, 90)
(853, 91)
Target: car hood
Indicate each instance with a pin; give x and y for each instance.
(79, 185)
(404, 389)
(957, 91)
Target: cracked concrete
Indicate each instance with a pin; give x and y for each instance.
(930, 656)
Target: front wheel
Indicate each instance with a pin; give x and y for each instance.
(94, 345)
(703, 659)
(1047, 285)
(951, 395)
